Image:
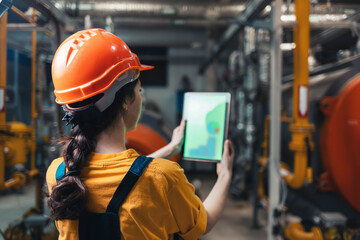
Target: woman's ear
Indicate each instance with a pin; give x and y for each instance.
(125, 106)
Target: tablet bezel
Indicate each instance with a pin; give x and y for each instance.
(226, 128)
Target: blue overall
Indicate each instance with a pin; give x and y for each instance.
(95, 226)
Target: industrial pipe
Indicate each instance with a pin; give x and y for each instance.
(159, 8)
(13, 182)
(263, 160)
(23, 15)
(18, 179)
(301, 129)
(296, 231)
(3, 59)
(33, 93)
(34, 172)
(265, 144)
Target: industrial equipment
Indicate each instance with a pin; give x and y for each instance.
(292, 68)
(21, 136)
(305, 163)
(319, 124)
(151, 134)
(17, 139)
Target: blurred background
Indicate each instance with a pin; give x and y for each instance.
(291, 66)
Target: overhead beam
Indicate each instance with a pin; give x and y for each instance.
(332, 33)
(251, 11)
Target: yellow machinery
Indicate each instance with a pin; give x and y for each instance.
(17, 139)
(330, 224)
(18, 145)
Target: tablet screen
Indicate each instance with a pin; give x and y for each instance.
(206, 116)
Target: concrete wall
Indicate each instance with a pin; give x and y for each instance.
(180, 62)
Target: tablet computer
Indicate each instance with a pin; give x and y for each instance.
(207, 121)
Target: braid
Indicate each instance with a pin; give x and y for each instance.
(68, 194)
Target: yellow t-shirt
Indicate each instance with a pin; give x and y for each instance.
(161, 203)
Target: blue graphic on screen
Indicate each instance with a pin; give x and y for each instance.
(208, 150)
(205, 128)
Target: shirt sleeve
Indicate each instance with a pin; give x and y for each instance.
(188, 210)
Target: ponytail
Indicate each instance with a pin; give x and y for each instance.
(67, 199)
(68, 195)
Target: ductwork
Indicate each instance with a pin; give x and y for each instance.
(177, 9)
(178, 13)
(157, 22)
(151, 9)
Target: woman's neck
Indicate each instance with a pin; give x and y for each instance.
(111, 140)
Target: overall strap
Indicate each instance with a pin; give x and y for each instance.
(60, 171)
(124, 188)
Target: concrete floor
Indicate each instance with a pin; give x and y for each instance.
(14, 205)
(235, 223)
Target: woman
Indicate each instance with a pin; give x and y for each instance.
(96, 80)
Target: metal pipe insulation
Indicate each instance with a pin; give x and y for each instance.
(186, 10)
(143, 9)
(320, 18)
(153, 21)
(315, 18)
(275, 112)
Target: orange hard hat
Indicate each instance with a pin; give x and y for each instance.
(88, 62)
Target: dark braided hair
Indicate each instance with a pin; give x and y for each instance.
(67, 200)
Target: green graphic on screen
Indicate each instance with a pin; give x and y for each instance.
(205, 127)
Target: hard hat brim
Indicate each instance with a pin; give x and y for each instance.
(145, 67)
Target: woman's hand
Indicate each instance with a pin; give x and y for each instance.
(215, 202)
(226, 164)
(177, 138)
(175, 145)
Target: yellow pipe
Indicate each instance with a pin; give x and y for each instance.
(3, 60)
(33, 173)
(265, 144)
(264, 159)
(302, 43)
(296, 231)
(300, 128)
(261, 190)
(30, 20)
(296, 179)
(33, 94)
(12, 182)
(33, 75)
(40, 83)
(18, 180)
(21, 14)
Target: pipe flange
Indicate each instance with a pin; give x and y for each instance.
(21, 178)
(299, 128)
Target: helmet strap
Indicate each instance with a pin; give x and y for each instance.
(73, 116)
